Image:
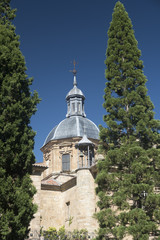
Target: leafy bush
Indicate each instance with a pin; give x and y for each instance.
(79, 234)
(61, 234)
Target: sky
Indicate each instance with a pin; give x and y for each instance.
(55, 32)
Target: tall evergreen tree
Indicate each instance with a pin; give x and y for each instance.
(128, 175)
(17, 105)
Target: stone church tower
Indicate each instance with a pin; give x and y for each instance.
(65, 180)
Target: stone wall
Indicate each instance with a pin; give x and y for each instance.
(35, 223)
(86, 200)
(74, 204)
(73, 208)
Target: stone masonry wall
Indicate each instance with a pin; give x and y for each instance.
(86, 200)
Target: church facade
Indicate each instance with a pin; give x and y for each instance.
(65, 180)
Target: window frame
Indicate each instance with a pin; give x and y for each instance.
(66, 162)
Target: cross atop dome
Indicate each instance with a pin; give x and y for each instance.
(74, 71)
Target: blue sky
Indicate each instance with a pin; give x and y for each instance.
(54, 32)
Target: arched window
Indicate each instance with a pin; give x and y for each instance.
(78, 108)
(65, 162)
(73, 107)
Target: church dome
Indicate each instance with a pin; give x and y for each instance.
(76, 124)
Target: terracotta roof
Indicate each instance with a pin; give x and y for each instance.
(53, 185)
(51, 181)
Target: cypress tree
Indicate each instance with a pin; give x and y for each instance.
(17, 105)
(129, 174)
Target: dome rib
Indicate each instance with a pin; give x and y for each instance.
(94, 124)
(57, 128)
(75, 126)
(77, 121)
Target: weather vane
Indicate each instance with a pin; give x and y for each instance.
(74, 71)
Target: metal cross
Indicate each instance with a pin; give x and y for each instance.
(74, 71)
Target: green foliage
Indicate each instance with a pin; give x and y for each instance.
(129, 142)
(61, 234)
(51, 234)
(79, 235)
(17, 105)
(70, 220)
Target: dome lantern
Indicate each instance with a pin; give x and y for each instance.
(75, 100)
